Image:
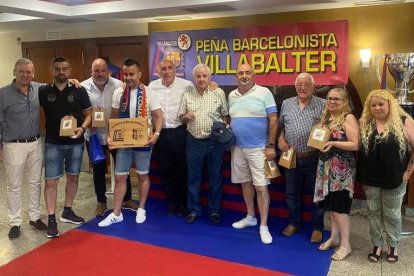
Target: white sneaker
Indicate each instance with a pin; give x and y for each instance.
(111, 219)
(265, 235)
(246, 222)
(141, 215)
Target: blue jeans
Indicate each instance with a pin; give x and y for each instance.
(124, 159)
(56, 155)
(198, 151)
(295, 189)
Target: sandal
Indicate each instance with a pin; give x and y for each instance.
(391, 257)
(328, 245)
(341, 254)
(374, 257)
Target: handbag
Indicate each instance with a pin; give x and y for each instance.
(95, 149)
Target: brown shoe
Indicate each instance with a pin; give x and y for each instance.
(130, 204)
(316, 236)
(290, 230)
(101, 208)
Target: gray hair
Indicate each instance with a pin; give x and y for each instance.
(305, 75)
(201, 65)
(165, 61)
(22, 61)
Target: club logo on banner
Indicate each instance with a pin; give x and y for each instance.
(277, 53)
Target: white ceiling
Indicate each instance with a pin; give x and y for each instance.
(26, 15)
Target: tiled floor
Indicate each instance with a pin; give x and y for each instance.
(85, 203)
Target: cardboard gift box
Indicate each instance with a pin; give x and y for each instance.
(68, 124)
(98, 117)
(271, 169)
(318, 137)
(128, 132)
(288, 159)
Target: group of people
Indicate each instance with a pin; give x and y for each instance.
(383, 141)
(180, 117)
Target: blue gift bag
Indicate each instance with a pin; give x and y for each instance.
(95, 149)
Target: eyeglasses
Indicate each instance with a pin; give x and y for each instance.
(334, 99)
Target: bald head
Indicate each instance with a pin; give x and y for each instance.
(100, 72)
(245, 77)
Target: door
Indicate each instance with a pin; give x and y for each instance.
(118, 52)
(74, 54)
(42, 60)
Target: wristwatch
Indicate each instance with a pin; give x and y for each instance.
(84, 129)
(270, 145)
(157, 133)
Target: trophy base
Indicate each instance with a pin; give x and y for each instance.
(407, 227)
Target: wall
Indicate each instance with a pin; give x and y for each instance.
(384, 29)
(11, 50)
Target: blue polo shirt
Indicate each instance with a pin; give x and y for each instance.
(249, 116)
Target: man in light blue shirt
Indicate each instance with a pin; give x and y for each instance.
(254, 120)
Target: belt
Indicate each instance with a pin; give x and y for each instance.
(27, 140)
(306, 154)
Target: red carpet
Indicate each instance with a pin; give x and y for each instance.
(83, 253)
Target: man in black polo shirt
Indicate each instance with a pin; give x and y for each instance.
(58, 100)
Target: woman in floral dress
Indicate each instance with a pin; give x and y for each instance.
(334, 187)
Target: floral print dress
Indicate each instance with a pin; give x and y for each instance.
(336, 169)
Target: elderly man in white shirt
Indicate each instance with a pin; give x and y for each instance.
(170, 147)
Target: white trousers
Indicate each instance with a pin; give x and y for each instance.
(23, 159)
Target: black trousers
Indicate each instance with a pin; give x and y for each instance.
(170, 149)
(99, 183)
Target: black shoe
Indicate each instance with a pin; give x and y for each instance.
(182, 212)
(172, 210)
(38, 224)
(391, 257)
(14, 232)
(71, 217)
(215, 217)
(190, 218)
(52, 231)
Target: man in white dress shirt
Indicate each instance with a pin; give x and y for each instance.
(170, 147)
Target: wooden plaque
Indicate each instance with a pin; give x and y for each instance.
(128, 132)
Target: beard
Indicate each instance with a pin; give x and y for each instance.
(61, 79)
(100, 81)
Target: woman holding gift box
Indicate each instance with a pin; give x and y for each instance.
(334, 186)
(385, 166)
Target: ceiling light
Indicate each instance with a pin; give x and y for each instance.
(172, 18)
(377, 2)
